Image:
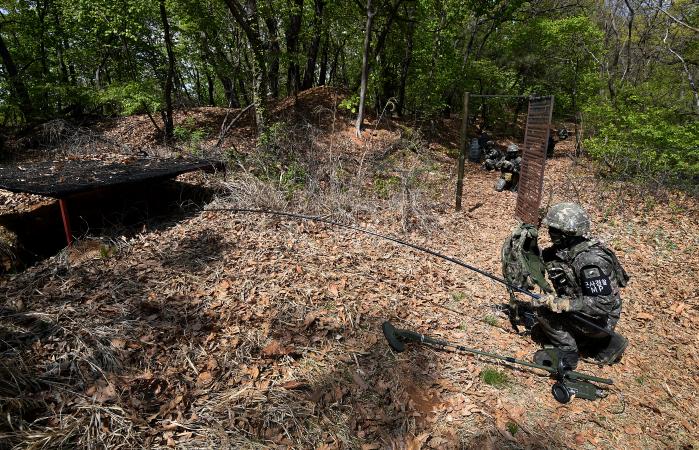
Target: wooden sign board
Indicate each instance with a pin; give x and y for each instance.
(531, 180)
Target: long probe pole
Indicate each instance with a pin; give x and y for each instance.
(413, 335)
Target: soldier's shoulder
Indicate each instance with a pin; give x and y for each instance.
(595, 254)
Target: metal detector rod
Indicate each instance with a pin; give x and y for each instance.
(411, 245)
(580, 319)
(509, 359)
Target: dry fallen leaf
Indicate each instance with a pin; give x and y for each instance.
(415, 443)
(679, 308)
(105, 393)
(632, 429)
(373, 446)
(359, 380)
(334, 289)
(580, 438)
(118, 343)
(275, 348)
(294, 385)
(204, 378)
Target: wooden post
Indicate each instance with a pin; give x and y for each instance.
(66, 221)
(462, 153)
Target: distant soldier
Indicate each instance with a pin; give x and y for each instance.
(492, 156)
(586, 278)
(483, 140)
(509, 168)
(551, 145)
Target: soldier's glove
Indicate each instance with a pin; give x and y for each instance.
(555, 304)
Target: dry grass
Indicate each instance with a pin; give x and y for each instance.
(68, 140)
(300, 169)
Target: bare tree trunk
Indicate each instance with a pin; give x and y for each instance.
(210, 86)
(333, 65)
(365, 67)
(19, 89)
(405, 63)
(248, 19)
(381, 36)
(274, 52)
(293, 75)
(169, 79)
(41, 10)
(690, 78)
(309, 74)
(229, 90)
(243, 90)
(381, 39)
(324, 60)
(61, 48)
(198, 87)
(631, 14)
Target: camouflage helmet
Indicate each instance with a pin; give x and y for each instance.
(569, 218)
(512, 148)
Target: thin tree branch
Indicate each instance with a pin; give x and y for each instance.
(690, 78)
(675, 19)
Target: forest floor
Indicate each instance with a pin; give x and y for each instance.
(231, 330)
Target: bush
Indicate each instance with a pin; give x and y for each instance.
(132, 98)
(192, 137)
(645, 142)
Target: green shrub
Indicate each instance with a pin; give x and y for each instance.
(494, 377)
(644, 142)
(491, 320)
(458, 296)
(292, 178)
(512, 427)
(191, 136)
(385, 186)
(350, 104)
(273, 137)
(132, 98)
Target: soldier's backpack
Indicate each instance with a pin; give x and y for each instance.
(522, 265)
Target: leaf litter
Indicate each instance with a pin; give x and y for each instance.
(235, 330)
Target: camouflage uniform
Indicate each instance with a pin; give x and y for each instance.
(586, 277)
(492, 157)
(509, 167)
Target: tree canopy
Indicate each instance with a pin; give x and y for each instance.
(625, 70)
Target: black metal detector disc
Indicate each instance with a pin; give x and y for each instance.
(389, 332)
(560, 392)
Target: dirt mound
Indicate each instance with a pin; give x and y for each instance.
(314, 102)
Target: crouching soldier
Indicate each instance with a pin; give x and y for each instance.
(586, 278)
(509, 167)
(492, 157)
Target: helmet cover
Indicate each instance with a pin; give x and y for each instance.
(569, 218)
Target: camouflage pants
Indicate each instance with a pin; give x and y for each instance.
(567, 333)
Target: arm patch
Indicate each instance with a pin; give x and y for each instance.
(594, 282)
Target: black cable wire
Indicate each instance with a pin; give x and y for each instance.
(411, 245)
(382, 236)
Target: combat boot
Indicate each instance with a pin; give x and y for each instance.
(614, 350)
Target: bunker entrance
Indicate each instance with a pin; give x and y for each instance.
(97, 200)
